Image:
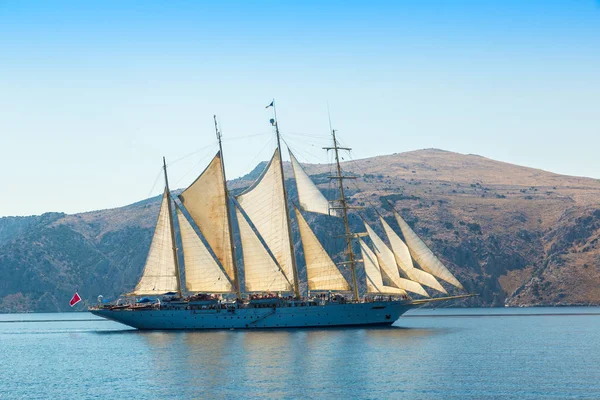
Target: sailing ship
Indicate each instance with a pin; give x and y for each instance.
(209, 292)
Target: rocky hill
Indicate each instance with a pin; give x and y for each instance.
(515, 235)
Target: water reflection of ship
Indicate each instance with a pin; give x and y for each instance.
(269, 295)
(267, 362)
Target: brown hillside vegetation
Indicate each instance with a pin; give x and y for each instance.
(515, 235)
(519, 235)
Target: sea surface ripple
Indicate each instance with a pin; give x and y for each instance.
(536, 353)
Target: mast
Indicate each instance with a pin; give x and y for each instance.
(287, 211)
(231, 244)
(344, 206)
(175, 257)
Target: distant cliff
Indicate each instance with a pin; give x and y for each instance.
(515, 235)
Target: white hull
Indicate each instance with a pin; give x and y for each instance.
(350, 314)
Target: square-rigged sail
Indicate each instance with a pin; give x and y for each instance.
(375, 283)
(387, 262)
(404, 260)
(423, 255)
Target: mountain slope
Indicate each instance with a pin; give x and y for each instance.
(515, 235)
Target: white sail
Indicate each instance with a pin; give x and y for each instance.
(423, 255)
(264, 204)
(373, 273)
(260, 270)
(206, 201)
(160, 271)
(309, 196)
(321, 271)
(202, 273)
(404, 260)
(389, 269)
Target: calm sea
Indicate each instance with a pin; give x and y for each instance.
(532, 353)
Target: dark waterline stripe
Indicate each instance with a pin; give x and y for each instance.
(53, 320)
(403, 316)
(499, 315)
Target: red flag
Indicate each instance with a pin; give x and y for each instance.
(76, 299)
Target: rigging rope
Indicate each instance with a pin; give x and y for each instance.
(160, 171)
(234, 138)
(200, 161)
(191, 154)
(354, 182)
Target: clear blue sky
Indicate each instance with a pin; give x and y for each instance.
(94, 93)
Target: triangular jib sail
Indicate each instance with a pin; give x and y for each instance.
(404, 260)
(160, 270)
(206, 202)
(309, 196)
(423, 255)
(373, 273)
(264, 204)
(387, 262)
(202, 273)
(321, 271)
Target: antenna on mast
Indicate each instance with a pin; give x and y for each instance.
(217, 131)
(329, 116)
